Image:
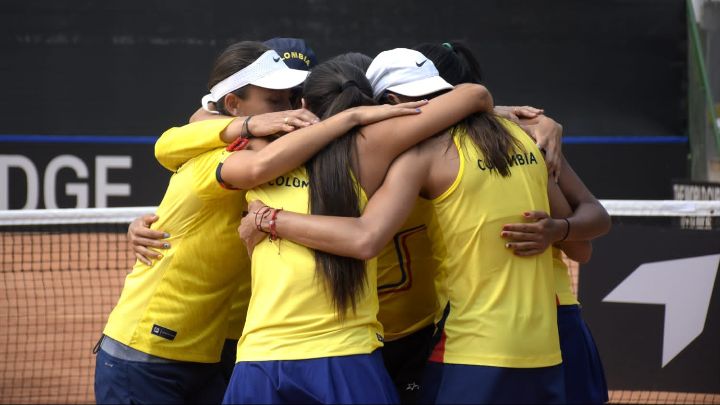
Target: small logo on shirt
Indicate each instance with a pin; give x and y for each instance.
(419, 64)
(164, 333)
(379, 337)
(276, 59)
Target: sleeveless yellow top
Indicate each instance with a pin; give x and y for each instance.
(563, 284)
(502, 307)
(407, 267)
(290, 315)
(179, 308)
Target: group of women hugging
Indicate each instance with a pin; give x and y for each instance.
(363, 230)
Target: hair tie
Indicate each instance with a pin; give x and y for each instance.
(447, 45)
(349, 83)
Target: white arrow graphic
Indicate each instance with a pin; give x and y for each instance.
(684, 286)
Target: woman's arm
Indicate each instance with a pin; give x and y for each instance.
(528, 239)
(380, 143)
(360, 238)
(179, 144)
(211, 131)
(547, 134)
(586, 218)
(141, 238)
(590, 219)
(580, 250)
(249, 168)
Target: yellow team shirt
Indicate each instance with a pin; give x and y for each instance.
(563, 284)
(291, 316)
(407, 267)
(177, 146)
(502, 307)
(179, 308)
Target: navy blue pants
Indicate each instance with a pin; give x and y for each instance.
(584, 374)
(132, 382)
(352, 379)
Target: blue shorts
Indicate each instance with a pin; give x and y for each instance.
(446, 383)
(360, 378)
(119, 381)
(584, 375)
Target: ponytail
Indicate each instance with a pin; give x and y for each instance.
(457, 64)
(330, 88)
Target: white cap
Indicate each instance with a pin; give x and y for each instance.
(404, 71)
(268, 71)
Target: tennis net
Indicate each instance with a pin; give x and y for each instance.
(62, 272)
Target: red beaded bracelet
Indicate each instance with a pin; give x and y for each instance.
(273, 230)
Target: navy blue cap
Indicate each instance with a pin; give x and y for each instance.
(294, 51)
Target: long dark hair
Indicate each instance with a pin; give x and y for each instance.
(330, 88)
(456, 64)
(233, 59)
(357, 59)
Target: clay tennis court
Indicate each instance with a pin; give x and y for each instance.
(57, 290)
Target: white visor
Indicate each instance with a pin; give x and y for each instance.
(268, 71)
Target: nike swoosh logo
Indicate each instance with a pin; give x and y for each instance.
(421, 63)
(276, 60)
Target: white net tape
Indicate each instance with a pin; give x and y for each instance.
(661, 208)
(73, 216)
(632, 208)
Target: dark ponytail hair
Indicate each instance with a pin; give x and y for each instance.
(357, 59)
(233, 59)
(332, 87)
(457, 64)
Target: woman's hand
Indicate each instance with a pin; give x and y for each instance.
(548, 136)
(516, 113)
(367, 115)
(280, 122)
(247, 231)
(275, 123)
(141, 238)
(528, 239)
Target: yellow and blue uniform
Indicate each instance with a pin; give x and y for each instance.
(189, 290)
(292, 330)
(583, 370)
(407, 267)
(406, 270)
(291, 315)
(173, 149)
(502, 313)
(179, 308)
